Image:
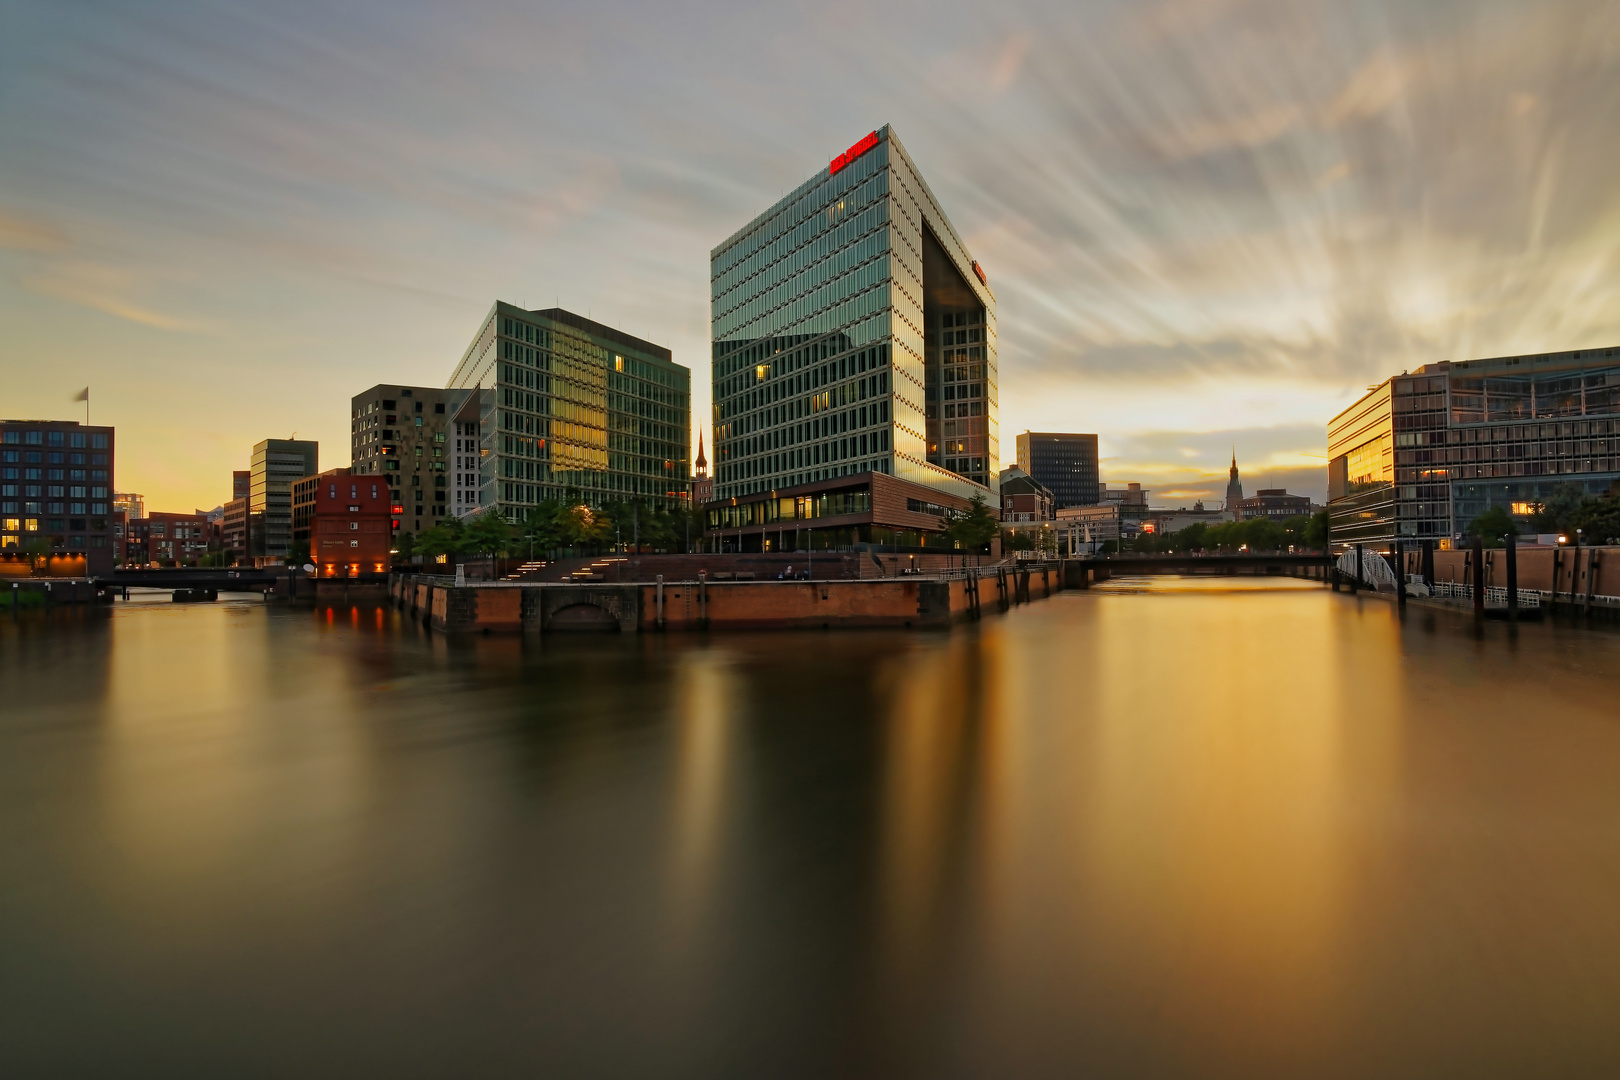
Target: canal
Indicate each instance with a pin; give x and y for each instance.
(1165, 827)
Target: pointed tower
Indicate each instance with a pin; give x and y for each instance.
(702, 484)
(1234, 489)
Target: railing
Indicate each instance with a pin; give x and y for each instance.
(1495, 595)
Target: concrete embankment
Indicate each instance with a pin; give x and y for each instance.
(912, 601)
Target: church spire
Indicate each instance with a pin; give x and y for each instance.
(702, 463)
(1234, 488)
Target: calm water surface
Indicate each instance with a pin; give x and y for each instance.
(1167, 828)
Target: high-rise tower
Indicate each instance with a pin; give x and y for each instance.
(853, 336)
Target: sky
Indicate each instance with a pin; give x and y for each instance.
(1209, 224)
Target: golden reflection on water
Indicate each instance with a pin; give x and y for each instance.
(1164, 827)
(706, 695)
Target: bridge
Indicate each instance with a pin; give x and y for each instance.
(1293, 565)
(221, 579)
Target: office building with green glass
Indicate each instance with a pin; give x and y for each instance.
(554, 402)
(854, 336)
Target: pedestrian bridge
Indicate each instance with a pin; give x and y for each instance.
(1081, 572)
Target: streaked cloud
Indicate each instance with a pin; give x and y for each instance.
(1218, 219)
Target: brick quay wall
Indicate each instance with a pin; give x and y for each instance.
(914, 601)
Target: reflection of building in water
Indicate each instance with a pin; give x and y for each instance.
(854, 362)
(1424, 453)
(568, 403)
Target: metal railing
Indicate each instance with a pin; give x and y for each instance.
(1495, 595)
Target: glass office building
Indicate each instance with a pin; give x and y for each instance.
(1065, 464)
(556, 402)
(1424, 453)
(853, 334)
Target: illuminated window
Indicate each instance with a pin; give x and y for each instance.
(30, 524)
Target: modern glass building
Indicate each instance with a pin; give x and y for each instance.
(276, 465)
(1065, 464)
(553, 402)
(56, 483)
(853, 336)
(1424, 453)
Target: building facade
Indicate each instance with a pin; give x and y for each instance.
(1274, 503)
(1025, 500)
(166, 539)
(304, 494)
(1424, 453)
(56, 484)
(557, 404)
(853, 335)
(351, 524)
(1065, 464)
(404, 434)
(277, 463)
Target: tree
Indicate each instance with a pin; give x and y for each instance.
(404, 544)
(488, 533)
(1598, 519)
(1315, 533)
(448, 537)
(973, 528)
(1557, 514)
(1492, 525)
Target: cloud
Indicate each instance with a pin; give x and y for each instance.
(104, 289)
(18, 233)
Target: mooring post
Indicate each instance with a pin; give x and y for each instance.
(1511, 541)
(1592, 566)
(1479, 577)
(1575, 570)
(660, 621)
(1355, 580)
(1427, 566)
(1400, 573)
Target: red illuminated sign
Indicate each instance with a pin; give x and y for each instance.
(852, 153)
(977, 269)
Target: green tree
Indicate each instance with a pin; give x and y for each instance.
(404, 544)
(1190, 538)
(1492, 525)
(974, 528)
(1557, 514)
(448, 537)
(1598, 519)
(1315, 533)
(489, 533)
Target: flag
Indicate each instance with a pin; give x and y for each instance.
(82, 395)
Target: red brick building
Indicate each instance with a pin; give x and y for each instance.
(351, 530)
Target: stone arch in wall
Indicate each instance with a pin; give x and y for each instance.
(586, 616)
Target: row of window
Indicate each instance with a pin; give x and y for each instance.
(12, 473)
(53, 491)
(28, 506)
(76, 439)
(51, 457)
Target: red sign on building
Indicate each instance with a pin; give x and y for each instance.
(852, 153)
